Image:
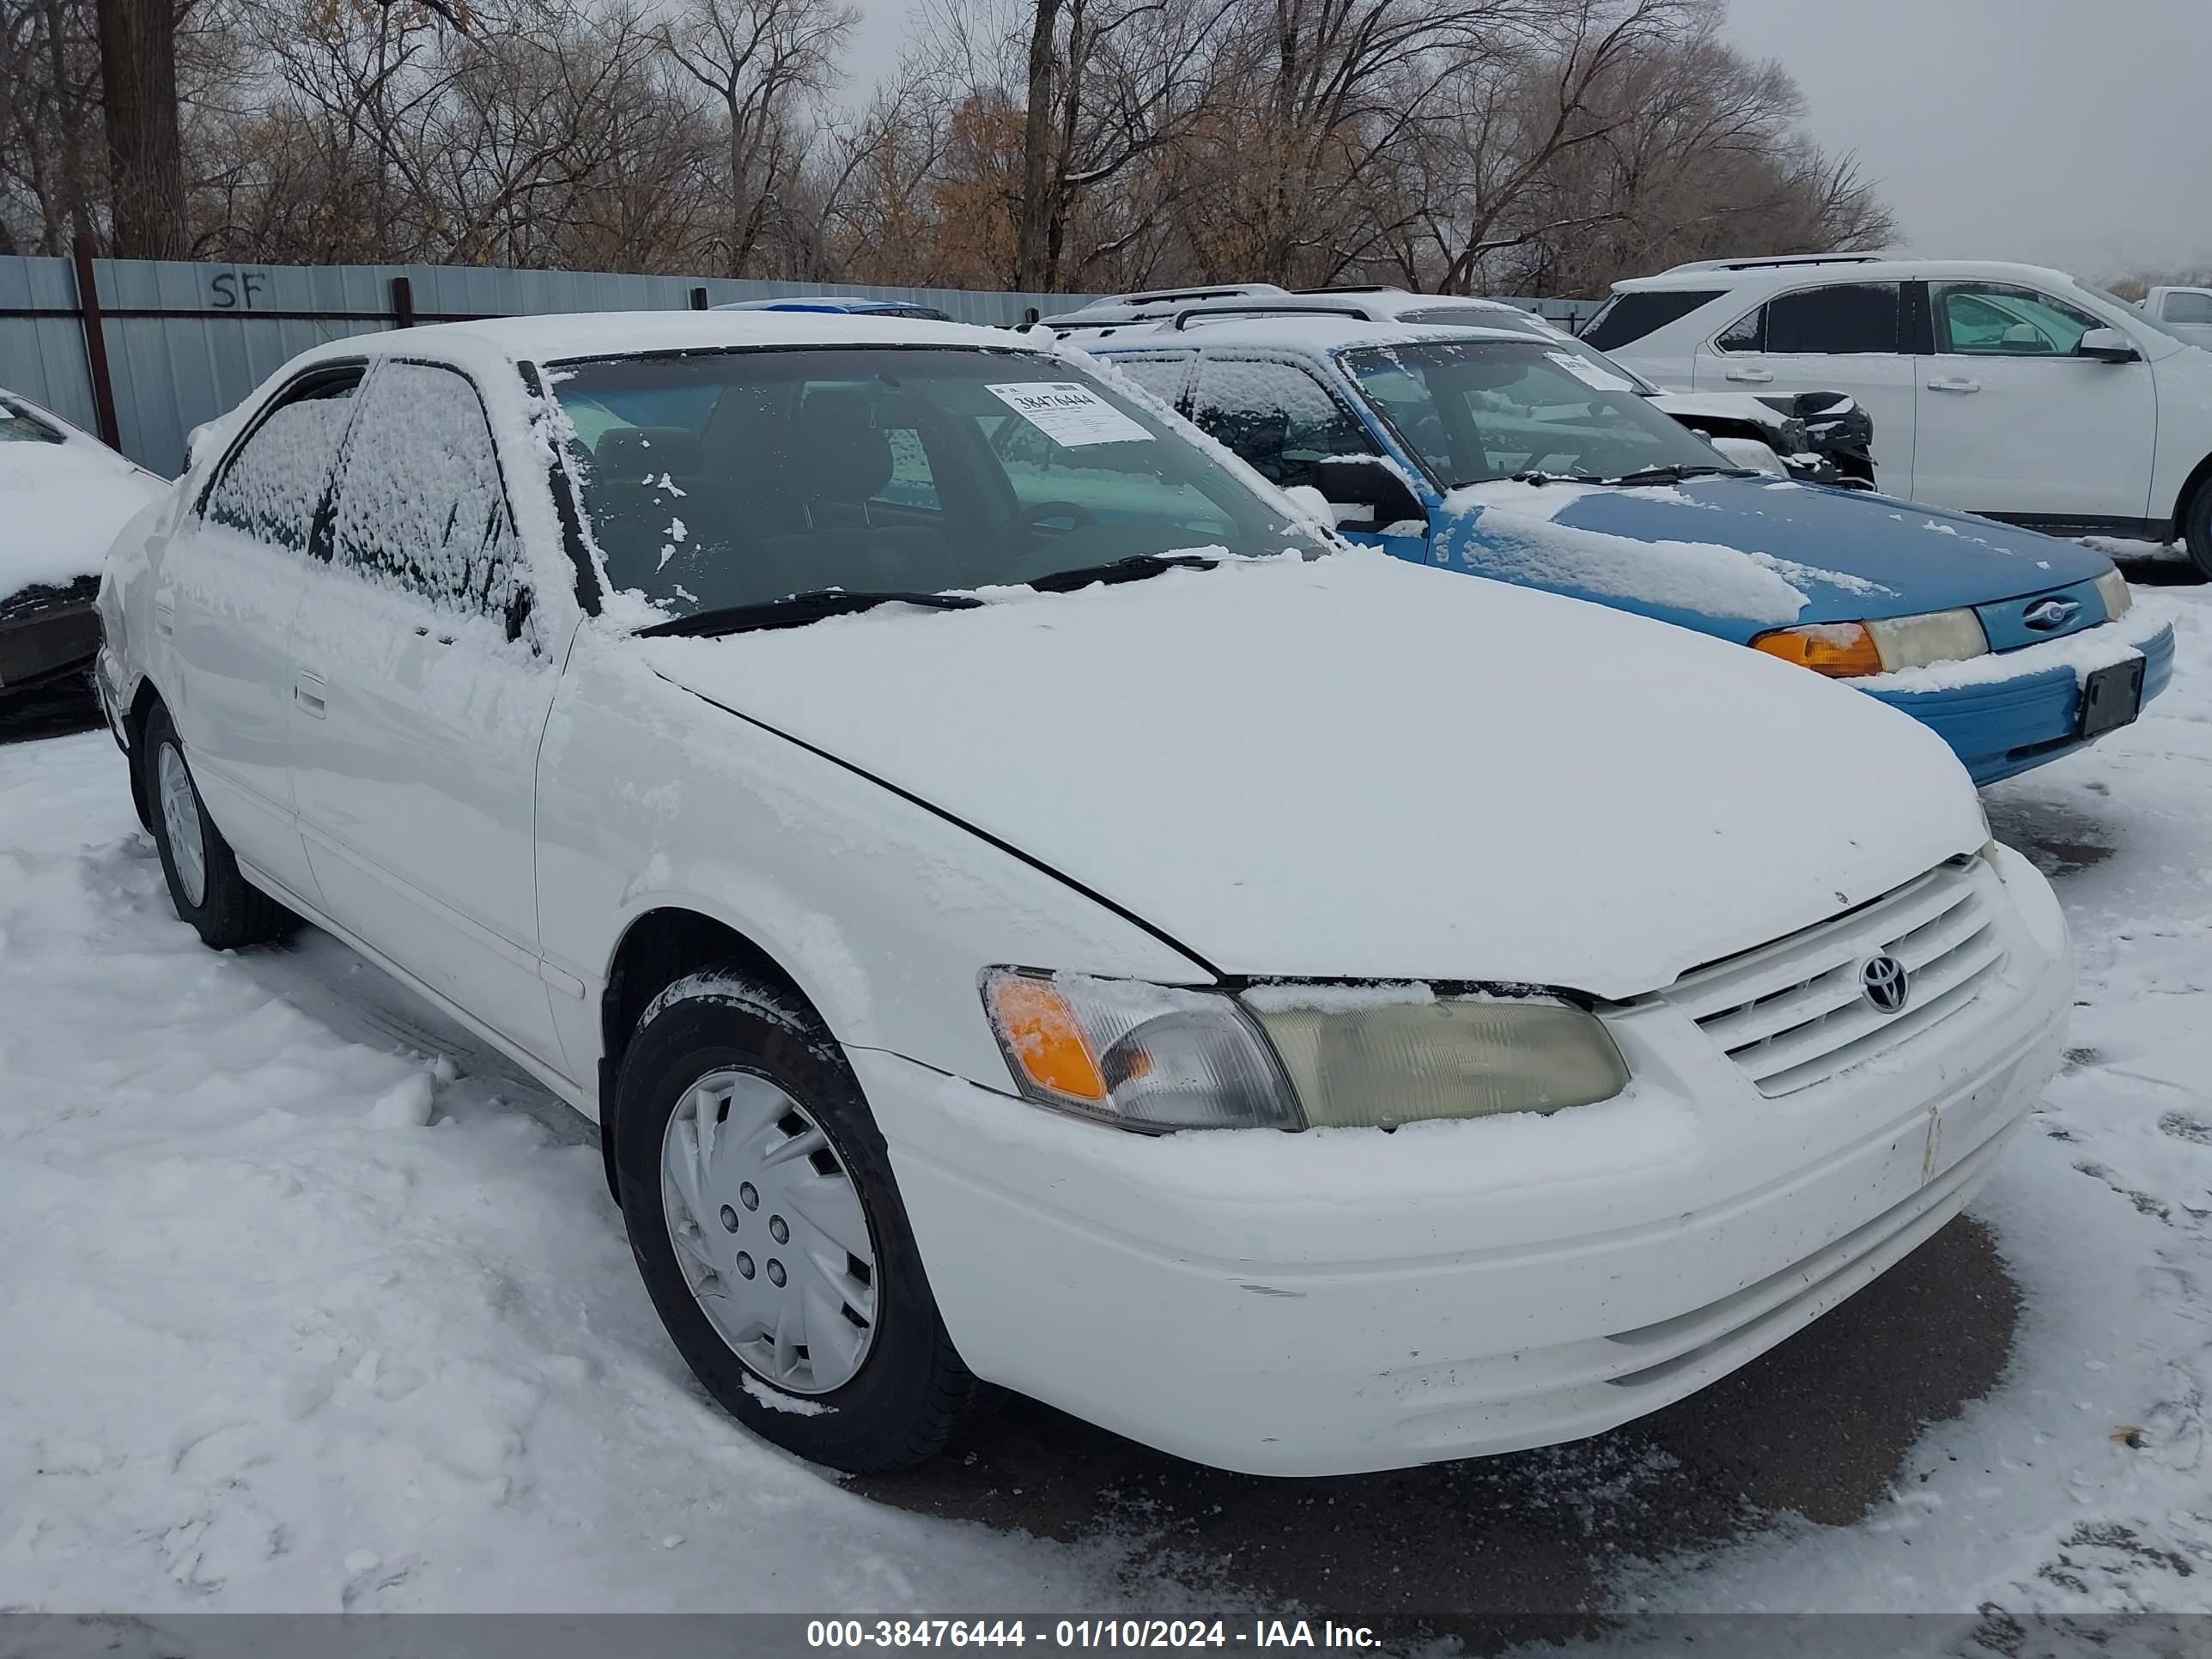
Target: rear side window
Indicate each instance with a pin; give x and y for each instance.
(420, 506)
(271, 487)
(2188, 308)
(1276, 417)
(1841, 318)
(1629, 317)
(1161, 376)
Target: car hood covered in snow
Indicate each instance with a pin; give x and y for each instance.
(65, 505)
(1736, 556)
(1352, 767)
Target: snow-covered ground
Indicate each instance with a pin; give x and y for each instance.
(309, 1303)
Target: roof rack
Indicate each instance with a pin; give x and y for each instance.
(1208, 313)
(1779, 259)
(1181, 296)
(1358, 288)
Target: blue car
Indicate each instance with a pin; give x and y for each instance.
(1507, 457)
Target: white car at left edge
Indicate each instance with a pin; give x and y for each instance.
(1026, 906)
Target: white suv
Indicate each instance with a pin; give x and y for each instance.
(2011, 391)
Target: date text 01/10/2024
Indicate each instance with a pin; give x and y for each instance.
(1085, 1633)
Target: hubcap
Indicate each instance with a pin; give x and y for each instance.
(768, 1228)
(181, 818)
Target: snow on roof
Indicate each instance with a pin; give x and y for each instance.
(560, 336)
(1307, 332)
(1841, 269)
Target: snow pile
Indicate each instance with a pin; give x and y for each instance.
(1704, 578)
(301, 1322)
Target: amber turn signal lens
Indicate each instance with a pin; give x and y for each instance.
(1045, 1039)
(1841, 650)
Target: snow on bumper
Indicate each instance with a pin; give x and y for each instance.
(2006, 712)
(1341, 1301)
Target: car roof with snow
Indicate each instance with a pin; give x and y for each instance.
(560, 336)
(1848, 267)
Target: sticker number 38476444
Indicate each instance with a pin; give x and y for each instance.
(1069, 413)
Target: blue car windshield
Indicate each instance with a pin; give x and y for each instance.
(722, 479)
(1476, 411)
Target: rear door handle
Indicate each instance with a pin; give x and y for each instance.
(1756, 376)
(1954, 385)
(312, 693)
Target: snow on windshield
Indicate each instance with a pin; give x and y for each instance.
(869, 470)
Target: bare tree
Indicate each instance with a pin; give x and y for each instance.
(138, 92)
(759, 59)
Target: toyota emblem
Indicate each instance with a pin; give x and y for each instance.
(1882, 982)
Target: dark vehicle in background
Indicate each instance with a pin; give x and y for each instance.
(64, 494)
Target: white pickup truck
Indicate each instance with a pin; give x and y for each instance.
(2187, 310)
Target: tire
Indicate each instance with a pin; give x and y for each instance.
(2196, 529)
(748, 1099)
(223, 907)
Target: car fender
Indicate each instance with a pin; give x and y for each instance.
(881, 909)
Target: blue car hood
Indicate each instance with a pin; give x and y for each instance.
(1736, 556)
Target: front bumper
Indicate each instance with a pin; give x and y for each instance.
(2000, 728)
(1340, 1301)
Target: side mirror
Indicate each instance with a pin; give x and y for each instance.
(196, 442)
(1366, 492)
(2107, 346)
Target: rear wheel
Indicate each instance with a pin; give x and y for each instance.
(2197, 528)
(224, 908)
(761, 1208)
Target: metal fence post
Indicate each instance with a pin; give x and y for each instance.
(95, 345)
(698, 299)
(403, 303)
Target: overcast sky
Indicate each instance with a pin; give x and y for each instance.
(2073, 132)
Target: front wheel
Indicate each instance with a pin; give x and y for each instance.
(223, 907)
(761, 1208)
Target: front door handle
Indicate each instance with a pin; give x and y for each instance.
(1954, 385)
(1756, 376)
(165, 616)
(312, 693)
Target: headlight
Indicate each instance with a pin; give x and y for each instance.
(1288, 1057)
(2112, 588)
(1398, 1054)
(1144, 1056)
(1847, 650)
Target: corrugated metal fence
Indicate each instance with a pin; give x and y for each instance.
(164, 345)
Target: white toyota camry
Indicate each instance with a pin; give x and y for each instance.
(1026, 908)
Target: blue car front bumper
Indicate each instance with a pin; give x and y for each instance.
(2002, 727)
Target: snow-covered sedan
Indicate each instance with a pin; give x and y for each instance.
(1048, 915)
(64, 494)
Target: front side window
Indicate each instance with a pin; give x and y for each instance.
(1276, 417)
(2000, 319)
(774, 471)
(420, 506)
(18, 425)
(1842, 319)
(271, 487)
(1479, 410)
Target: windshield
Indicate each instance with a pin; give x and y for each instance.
(739, 478)
(18, 425)
(1484, 410)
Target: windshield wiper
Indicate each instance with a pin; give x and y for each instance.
(1131, 569)
(796, 609)
(1535, 477)
(1655, 475)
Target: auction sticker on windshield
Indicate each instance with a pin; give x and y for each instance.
(1070, 414)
